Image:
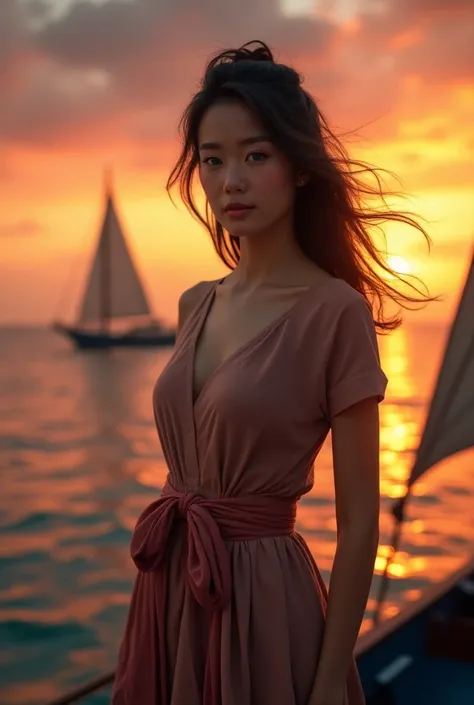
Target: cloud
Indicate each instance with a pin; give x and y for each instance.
(104, 36)
(56, 103)
(101, 70)
(20, 229)
(402, 60)
(122, 70)
(14, 45)
(118, 31)
(433, 8)
(38, 11)
(121, 58)
(433, 39)
(444, 54)
(151, 49)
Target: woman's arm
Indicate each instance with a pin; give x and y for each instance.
(355, 440)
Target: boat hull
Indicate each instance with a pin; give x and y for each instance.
(428, 657)
(91, 340)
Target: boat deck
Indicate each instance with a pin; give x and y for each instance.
(437, 682)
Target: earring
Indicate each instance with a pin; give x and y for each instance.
(301, 181)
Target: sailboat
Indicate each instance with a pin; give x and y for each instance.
(114, 295)
(424, 655)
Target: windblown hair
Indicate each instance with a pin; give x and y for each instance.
(334, 210)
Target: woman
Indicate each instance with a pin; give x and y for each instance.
(228, 606)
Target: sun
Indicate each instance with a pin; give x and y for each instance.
(399, 264)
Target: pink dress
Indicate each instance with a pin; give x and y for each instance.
(228, 605)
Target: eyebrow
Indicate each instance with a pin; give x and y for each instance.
(244, 142)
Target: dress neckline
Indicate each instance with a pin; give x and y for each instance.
(249, 344)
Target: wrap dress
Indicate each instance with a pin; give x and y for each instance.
(228, 604)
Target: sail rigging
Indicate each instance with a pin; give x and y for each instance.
(114, 288)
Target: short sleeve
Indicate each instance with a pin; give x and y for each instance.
(354, 372)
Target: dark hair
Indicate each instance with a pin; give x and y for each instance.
(334, 210)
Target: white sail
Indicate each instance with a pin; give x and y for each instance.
(450, 424)
(114, 289)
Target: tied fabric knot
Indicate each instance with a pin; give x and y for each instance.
(208, 562)
(143, 673)
(184, 502)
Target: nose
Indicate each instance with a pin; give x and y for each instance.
(234, 179)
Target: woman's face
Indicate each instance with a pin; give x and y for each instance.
(249, 184)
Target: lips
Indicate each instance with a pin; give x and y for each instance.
(237, 207)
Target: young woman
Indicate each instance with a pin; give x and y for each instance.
(229, 607)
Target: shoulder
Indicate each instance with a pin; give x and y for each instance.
(352, 316)
(353, 369)
(190, 299)
(333, 302)
(342, 297)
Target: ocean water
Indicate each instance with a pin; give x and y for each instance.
(80, 459)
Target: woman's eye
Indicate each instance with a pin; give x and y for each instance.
(212, 161)
(257, 157)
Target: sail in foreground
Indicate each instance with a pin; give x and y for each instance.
(449, 427)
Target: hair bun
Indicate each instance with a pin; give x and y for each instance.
(261, 52)
(232, 56)
(239, 64)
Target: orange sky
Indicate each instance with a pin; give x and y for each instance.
(105, 81)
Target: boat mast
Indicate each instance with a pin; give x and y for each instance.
(105, 278)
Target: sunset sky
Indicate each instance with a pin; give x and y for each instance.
(89, 83)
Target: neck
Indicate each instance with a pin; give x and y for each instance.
(269, 258)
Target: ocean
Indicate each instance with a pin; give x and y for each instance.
(80, 459)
